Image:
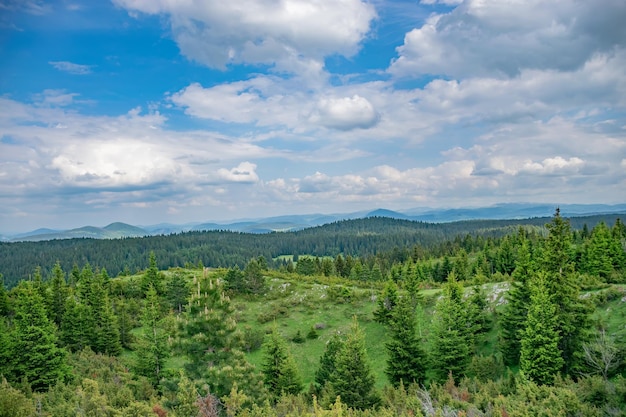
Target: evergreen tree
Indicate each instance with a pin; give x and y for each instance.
(597, 257)
(5, 349)
(540, 357)
(515, 310)
(76, 325)
(452, 337)
(387, 301)
(107, 331)
(352, 378)
(406, 361)
(572, 313)
(36, 357)
(152, 276)
(212, 345)
(478, 318)
(505, 257)
(279, 368)
(235, 280)
(327, 361)
(4, 299)
(177, 292)
(58, 294)
(254, 278)
(152, 350)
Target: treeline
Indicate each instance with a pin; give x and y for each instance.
(62, 338)
(356, 238)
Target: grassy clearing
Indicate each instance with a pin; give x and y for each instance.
(297, 305)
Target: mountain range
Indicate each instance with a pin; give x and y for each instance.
(299, 222)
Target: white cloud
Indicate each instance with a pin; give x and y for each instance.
(345, 113)
(217, 33)
(71, 67)
(52, 97)
(500, 38)
(244, 173)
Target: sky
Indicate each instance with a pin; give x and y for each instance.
(150, 111)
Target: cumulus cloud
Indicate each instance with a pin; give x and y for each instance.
(114, 163)
(217, 33)
(244, 173)
(71, 68)
(345, 113)
(491, 37)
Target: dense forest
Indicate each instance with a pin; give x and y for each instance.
(355, 238)
(373, 317)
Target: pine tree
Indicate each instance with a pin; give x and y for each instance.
(452, 338)
(540, 357)
(407, 360)
(516, 308)
(281, 375)
(36, 357)
(212, 345)
(352, 378)
(152, 350)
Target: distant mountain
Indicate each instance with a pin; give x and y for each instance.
(298, 222)
(511, 211)
(388, 213)
(112, 231)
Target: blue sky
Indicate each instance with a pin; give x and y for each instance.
(148, 111)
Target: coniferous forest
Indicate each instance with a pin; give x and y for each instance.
(371, 317)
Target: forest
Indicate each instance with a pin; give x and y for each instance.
(370, 317)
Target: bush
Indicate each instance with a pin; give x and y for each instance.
(298, 338)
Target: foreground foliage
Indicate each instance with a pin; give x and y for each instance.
(406, 333)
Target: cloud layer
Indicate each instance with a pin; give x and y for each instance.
(485, 102)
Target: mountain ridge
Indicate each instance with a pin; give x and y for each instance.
(297, 222)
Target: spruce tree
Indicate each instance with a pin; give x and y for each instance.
(36, 357)
(327, 361)
(452, 333)
(58, 294)
(177, 292)
(352, 378)
(280, 373)
(516, 308)
(152, 350)
(540, 357)
(107, 331)
(152, 276)
(387, 301)
(572, 313)
(76, 325)
(406, 361)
